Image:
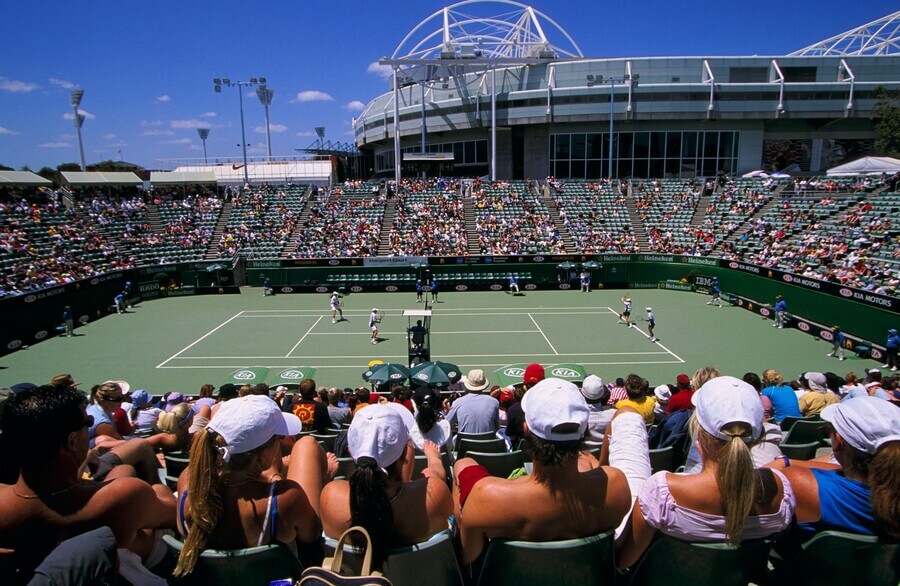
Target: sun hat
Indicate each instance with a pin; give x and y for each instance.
(592, 388)
(816, 381)
(725, 400)
(63, 380)
(174, 399)
(662, 393)
(377, 432)
(249, 422)
(140, 398)
(534, 373)
(552, 403)
(475, 380)
(122, 385)
(866, 423)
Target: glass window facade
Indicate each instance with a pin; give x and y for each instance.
(465, 153)
(644, 154)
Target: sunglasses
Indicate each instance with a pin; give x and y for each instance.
(112, 399)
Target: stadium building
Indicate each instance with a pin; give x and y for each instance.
(513, 97)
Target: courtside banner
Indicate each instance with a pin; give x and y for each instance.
(249, 375)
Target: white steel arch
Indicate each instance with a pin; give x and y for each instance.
(879, 37)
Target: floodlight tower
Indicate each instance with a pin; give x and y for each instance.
(218, 83)
(204, 134)
(265, 98)
(76, 96)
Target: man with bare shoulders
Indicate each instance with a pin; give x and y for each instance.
(50, 502)
(558, 500)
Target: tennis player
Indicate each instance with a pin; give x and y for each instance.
(374, 320)
(625, 316)
(336, 310)
(651, 323)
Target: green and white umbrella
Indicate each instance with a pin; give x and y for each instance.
(435, 374)
(388, 372)
(291, 376)
(249, 375)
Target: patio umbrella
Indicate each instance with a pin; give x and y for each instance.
(566, 265)
(567, 371)
(590, 265)
(435, 374)
(511, 374)
(388, 372)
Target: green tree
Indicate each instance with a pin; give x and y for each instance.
(887, 121)
(5, 168)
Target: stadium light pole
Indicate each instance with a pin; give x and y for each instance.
(265, 96)
(224, 81)
(76, 96)
(204, 134)
(630, 81)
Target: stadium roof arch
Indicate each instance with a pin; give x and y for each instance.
(879, 37)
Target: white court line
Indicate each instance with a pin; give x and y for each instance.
(195, 342)
(646, 335)
(288, 355)
(332, 357)
(362, 364)
(432, 333)
(440, 309)
(543, 334)
(438, 315)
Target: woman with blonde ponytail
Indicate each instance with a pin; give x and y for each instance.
(226, 502)
(728, 500)
(861, 494)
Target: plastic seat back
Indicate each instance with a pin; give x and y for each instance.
(499, 464)
(805, 432)
(800, 451)
(587, 560)
(834, 557)
(663, 459)
(175, 465)
(492, 446)
(253, 565)
(677, 562)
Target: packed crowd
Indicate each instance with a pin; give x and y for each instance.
(342, 227)
(509, 219)
(588, 468)
(595, 215)
(429, 223)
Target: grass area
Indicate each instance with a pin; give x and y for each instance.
(181, 343)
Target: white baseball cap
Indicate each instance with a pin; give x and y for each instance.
(249, 422)
(649, 309)
(551, 403)
(374, 310)
(866, 423)
(592, 388)
(725, 400)
(377, 432)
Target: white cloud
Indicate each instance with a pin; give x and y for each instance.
(163, 98)
(55, 145)
(190, 124)
(305, 133)
(158, 133)
(148, 123)
(313, 96)
(208, 115)
(15, 86)
(195, 147)
(275, 128)
(382, 71)
(66, 85)
(119, 145)
(109, 136)
(355, 106)
(178, 141)
(84, 113)
(8, 131)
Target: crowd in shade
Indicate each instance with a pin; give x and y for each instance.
(291, 467)
(841, 231)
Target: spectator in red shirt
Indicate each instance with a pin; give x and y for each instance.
(681, 399)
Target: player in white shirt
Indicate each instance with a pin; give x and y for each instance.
(651, 323)
(374, 320)
(625, 316)
(336, 310)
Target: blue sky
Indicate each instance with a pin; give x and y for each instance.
(147, 67)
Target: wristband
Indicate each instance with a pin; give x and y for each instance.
(787, 461)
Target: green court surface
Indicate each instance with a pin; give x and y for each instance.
(181, 343)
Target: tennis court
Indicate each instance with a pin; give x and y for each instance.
(181, 343)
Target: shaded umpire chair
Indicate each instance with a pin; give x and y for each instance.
(418, 336)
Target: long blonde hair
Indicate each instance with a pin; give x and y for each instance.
(735, 474)
(206, 485)
(703, 375)
(172, 421)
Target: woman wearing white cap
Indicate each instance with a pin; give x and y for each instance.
(379, 495)
(861, 494)
(225, 503)
(728, 500)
